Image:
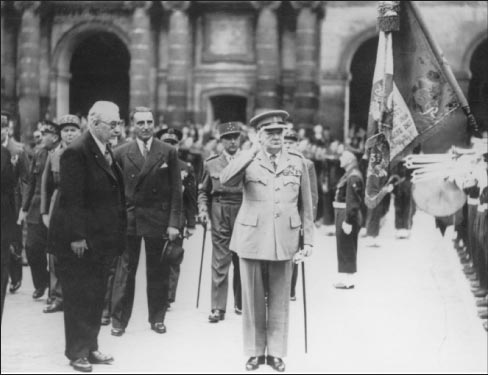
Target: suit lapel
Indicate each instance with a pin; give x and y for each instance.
(153, 157)
(134, 155)
(99, 158)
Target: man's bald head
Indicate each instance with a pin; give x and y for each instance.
(103, 117)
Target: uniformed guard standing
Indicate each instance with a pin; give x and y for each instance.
(404, 205)
(347, 204)
(173, 136)
(266, 236)
(69, 128)
(223, 204)
(36, 240)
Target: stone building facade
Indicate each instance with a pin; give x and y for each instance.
(199, 61)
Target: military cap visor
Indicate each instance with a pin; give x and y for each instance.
(170, 138)
(291, 135)
(50, 127)
(66, 120)
(229, 128)
(275, 119)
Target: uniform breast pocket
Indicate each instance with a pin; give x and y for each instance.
(291, 182)
(256, 180)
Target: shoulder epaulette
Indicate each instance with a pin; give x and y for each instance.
(213, 156)
(295, 152)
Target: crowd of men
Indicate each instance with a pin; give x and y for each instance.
(87, 196)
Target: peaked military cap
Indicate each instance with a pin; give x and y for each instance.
(66, 120)
(170, 135)
(291, 134)
(232, 127)
(275, 119)
(50, 127)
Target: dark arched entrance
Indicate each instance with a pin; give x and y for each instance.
(99, 71)
(229, 108)
(478, 86)
(362, 69)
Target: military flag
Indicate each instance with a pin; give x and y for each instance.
(414, 96)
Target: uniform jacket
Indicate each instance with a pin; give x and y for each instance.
(31, 201)
(152, 188)
(350, 190)
(268, 224)
(190, 208)
(210, 184)
(90, 203)
(7, 208)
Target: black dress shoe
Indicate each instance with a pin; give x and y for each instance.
(96, 357)
(254, 362)
(53, 307)
(105, 321)
(238, 310)
(482, 302)
(81, 365)
(117, 332)
(479, 293)
(158, 327)
(216, 315)
(15, 286)
(38, 293)
(276, 363)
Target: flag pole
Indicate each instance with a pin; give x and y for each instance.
(446, 68)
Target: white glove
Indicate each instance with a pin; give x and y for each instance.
(346, 227)
(302, 253)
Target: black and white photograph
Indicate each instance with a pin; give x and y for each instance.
(244, 187)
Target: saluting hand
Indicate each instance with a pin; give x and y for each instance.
(79, 247)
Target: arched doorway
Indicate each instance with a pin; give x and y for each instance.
(99, 70)
(225, 108)
(478, 85)
(362, 70)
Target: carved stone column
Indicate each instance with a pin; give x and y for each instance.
(179, 61)
(307, 89)
(9, 51)
(140, 50)
(267, 56)
(28, 67)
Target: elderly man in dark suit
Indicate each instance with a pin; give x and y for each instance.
(20, 165)
(154, 206)
(266, 235)
(87, 230)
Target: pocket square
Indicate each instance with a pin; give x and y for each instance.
(164, 165)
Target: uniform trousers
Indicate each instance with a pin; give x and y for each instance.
(35, 248)
(5, 258)
(157, 276)
(174, 274)
(347, 245)
(404, 206)
(55, 290)
(265, 312)
(84, 282)
(223, 216)
(472, 243)
(481, 238)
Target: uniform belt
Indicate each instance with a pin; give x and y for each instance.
(482, 207)
(339, 205)
(473, 201)
(227, 197)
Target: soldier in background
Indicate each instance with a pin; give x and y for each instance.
(291, 143)
(36, 241)
(20, 164)
(221, 204)
(403, 201)
(69, 128)
(173, 136)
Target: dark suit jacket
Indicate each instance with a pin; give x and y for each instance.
(7, 208)
(152, 188)
(21, 169)
(90, 203)
(190, 207)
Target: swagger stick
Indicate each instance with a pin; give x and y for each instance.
(304, 305)
(204, 224)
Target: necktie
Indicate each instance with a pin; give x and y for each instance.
(144, 150)
(107, 155)
(272, 158)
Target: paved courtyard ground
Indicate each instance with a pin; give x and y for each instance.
(411, 312)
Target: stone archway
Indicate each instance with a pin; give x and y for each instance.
(212, 99)
(62, 58)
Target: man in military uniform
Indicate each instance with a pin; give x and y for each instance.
(20, 164)
(291, 143)
(223, 204)
(404, 205)
(266, 236)
(36, 240)
(348, 217)
(69, 128)
(173, 136)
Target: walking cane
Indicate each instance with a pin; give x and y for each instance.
(204, 224)
(304, 294)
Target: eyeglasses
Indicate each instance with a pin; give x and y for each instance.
(112, 124)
